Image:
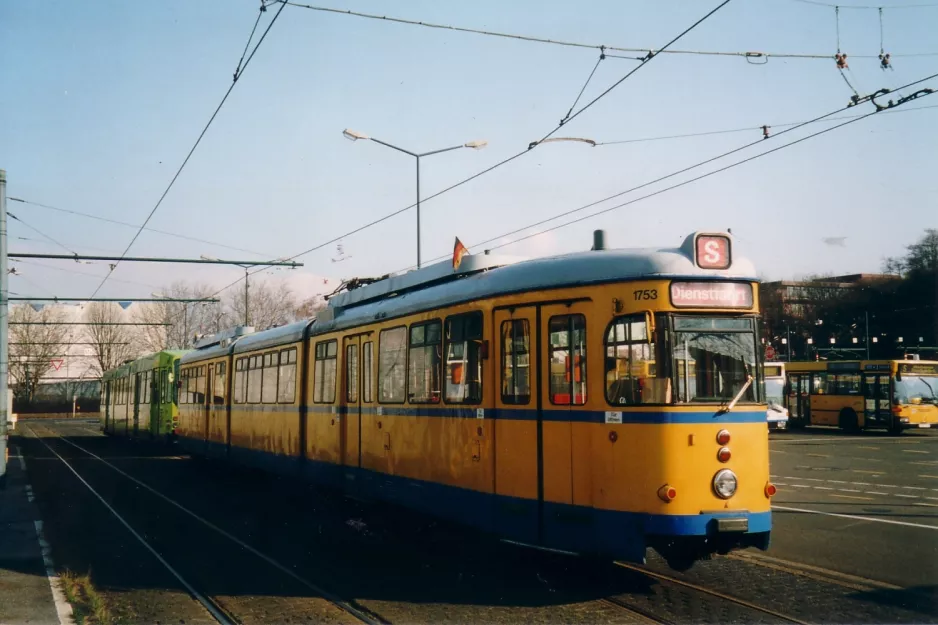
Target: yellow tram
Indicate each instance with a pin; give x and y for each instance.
(600, 402)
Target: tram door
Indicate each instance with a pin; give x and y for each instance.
(518, 427)
(354, 379)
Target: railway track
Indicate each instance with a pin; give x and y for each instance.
(710, 593)
(216, 608)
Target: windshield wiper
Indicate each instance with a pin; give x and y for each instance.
(739, 395)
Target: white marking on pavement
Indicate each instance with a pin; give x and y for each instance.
(852, 497)
(849, 490)
(857, 517)
(906, 496)
(823, 488)
(913, 451)
(914, 487)
(801, 486)
(869, 492)
(922, 503)
(63, 608)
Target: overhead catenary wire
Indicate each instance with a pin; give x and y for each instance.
(690, 181)
(41, 233)
(602, 56)
(80, 273)
(130, 225)
(873, 6)
(380, 220)
(680, 171)
(571, 44)
(208, 124)
(749, 128)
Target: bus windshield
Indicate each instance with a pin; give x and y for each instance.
(915, 389)
(774, 391)
(713, 358)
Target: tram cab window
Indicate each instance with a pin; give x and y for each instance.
(714, 357)
(368, 372)
(286, 386)
(239, 380)
(631, 370)
(567, 355)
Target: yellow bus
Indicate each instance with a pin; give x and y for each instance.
(863, 394)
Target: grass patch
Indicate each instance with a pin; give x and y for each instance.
(88, 605)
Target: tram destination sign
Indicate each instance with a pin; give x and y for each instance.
(711, 295)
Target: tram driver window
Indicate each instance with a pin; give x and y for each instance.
(568, 360)
(631, 370)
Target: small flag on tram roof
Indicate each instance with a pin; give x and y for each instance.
(459, 250)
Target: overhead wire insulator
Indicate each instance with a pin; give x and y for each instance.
(884, 62)
(841, 60)
(765, 132)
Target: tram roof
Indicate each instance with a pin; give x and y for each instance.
(553, 272)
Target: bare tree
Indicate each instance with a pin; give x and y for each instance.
(34, 346)
(185, 320)
(308, 308)
(268, 306)
(111, 344)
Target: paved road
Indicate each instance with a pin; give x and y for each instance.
(885, 489)
(410, 569)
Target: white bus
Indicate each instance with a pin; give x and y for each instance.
(776, 414)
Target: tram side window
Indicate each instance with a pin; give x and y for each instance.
(392, 365)
(516, 362)
(324, 374)
(424, 363)
(286, 387)
(368, 372)
(631, 371)
(463, 363)
(567, 360)
(269, 387)
(351, 373)
(218, 387)
(239, 381)
(255, 372)
(183, 382)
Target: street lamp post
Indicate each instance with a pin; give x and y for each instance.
(355, 136)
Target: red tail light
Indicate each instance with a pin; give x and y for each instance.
(770, 489)
(723, 437)
(724, 454)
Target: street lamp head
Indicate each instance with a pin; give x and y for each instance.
(476, 145)
(353, 135)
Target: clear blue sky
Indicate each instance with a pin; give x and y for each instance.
(103, 99)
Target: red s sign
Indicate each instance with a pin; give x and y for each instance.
(713, 252)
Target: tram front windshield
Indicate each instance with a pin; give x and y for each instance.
(714, 358)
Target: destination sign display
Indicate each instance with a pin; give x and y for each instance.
(918, 369)
(711, 295)
(876, 367)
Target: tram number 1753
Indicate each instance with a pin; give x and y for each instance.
(643, 294)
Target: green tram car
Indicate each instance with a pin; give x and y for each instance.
(140, 398)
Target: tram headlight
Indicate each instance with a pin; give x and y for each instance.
(724, 484)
